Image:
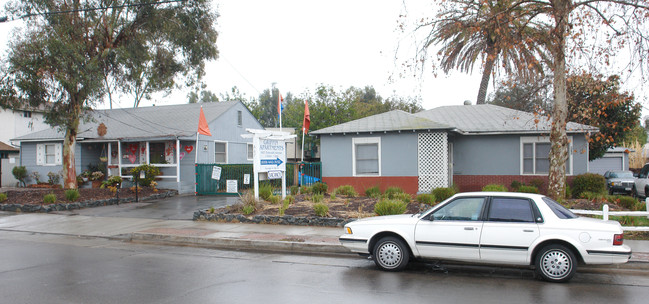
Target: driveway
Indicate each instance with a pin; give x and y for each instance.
(180, 207)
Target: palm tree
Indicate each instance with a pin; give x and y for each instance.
(496, 31)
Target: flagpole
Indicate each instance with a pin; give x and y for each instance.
(196, 148)
(302, 143)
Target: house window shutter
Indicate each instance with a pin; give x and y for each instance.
(40, 154)
(58, 155)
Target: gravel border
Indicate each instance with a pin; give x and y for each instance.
(203, 215)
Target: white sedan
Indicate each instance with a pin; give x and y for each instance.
(492, 228)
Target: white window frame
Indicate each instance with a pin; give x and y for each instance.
(226, 151)
(249, 149)
(239, 118)
(41, 157)
(365, 140)
(541, 139)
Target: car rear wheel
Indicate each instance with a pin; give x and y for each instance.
(391, 254)
(556, 263)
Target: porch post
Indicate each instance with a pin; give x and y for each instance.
(177, 160)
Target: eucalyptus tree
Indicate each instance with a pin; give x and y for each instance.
(69, 48)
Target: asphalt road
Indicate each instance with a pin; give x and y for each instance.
(38, 268)
(179, 207)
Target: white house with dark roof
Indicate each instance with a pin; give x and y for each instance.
(164, 136)
(469, 146)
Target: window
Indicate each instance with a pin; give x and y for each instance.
(220, 152)
(559, 210)
(239, 118)
(462, 209)
(162, 152)
(250, 151)
(366, 154)
(48, 154)
(511, 210)
(535, 156)
(27, 114)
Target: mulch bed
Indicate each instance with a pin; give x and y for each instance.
(34, 196)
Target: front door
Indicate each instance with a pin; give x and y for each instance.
(453, 231)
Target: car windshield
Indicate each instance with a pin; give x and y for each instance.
(561, 211)
(621, 175)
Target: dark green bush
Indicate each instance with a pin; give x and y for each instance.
(373, 192)
(390, 207)
(537, 182)
(588, 182)
(515, 185)
(319, 188)
(494, 188)
(426, 198)
(527, 189)
(72, 195)
(442, 194)
(150, 173)
(627, 202)
(49, 198)
(20, 173)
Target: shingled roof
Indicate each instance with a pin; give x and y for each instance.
(146, 122)
(467, 119)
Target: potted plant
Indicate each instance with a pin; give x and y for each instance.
(96, 178)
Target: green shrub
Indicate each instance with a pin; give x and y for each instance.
(150, 173)
(3, 197)
(390, 207)
(641, 206)
(317, 198)
(404, 197)
(494, 188)
(49, 198)
(537, 182)
(295, 190)
(305, 190)
(568, 191)
(627, 202)
(319, 188)
(391, 192)
(515, 185)
(72, 195)
(588, 182)
(373, 192)
(20, 173)
(592, 196)
(274, 199)
(112, 181)
(289, 199)
(442, 194)
(426, 198)
(346, 190)
(321, 209)
(248, 209)
(265, 191)
(528, 189)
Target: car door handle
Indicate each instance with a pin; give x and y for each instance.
(528, 230)
(470, 228)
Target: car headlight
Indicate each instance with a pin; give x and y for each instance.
(348, 230)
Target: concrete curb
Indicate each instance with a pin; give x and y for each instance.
(240, 244)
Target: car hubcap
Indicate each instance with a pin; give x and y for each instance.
(389, 255)
(556, 264)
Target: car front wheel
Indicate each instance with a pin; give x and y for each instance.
(391, 254)
(556, 263)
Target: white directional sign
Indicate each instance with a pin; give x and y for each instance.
(272, 155)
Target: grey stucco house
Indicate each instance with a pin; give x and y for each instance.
(164, 136)
(469, 146)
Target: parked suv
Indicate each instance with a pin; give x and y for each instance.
(619, 181)
(642, 182)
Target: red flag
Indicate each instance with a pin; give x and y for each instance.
(280, 107)
(307, 118)
(203, 128)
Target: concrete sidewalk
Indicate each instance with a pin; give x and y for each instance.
(294, 239)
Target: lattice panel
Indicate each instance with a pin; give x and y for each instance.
(432, 158)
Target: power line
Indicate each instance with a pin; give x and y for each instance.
(89, 9)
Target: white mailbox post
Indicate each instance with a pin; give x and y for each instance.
(269, 155)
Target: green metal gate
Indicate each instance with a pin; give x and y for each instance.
(296, 173)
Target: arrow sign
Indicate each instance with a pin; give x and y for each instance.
(277, 162)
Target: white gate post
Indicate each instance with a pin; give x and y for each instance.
(605, 212)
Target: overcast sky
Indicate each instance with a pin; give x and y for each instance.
(299, 45)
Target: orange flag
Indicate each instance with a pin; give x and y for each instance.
(203, 128)
(307, 118)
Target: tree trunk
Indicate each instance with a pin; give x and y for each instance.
(484, 83)
(558, 135)
(69, 145)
